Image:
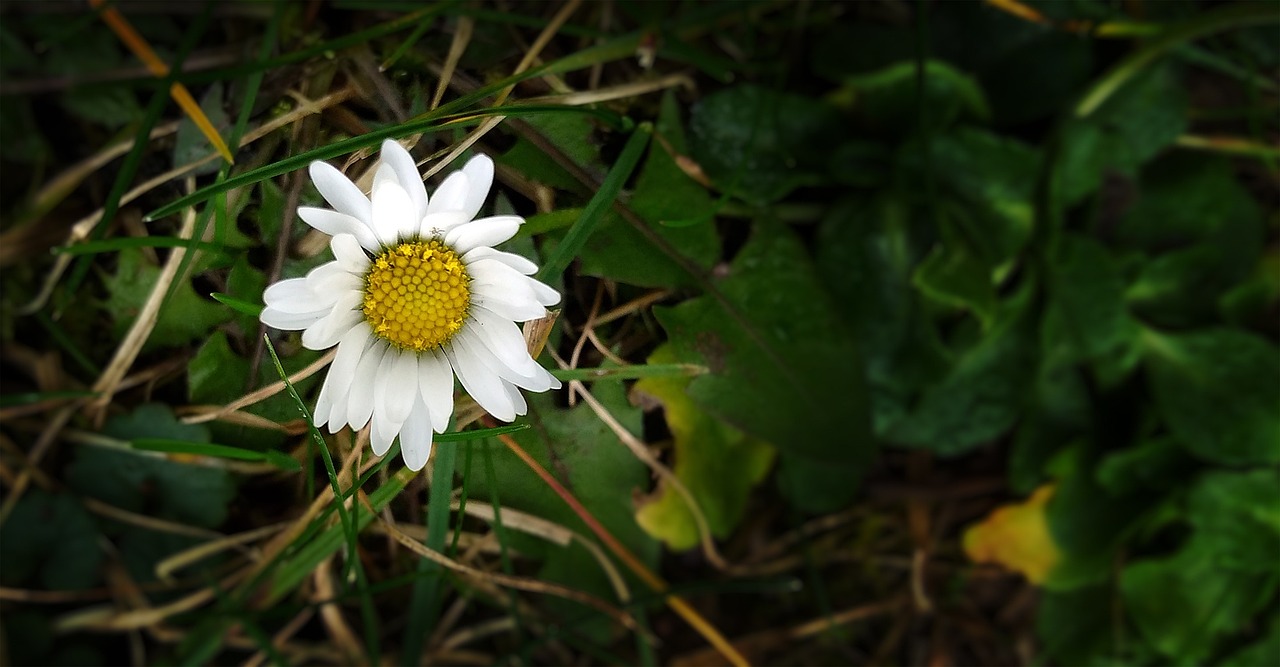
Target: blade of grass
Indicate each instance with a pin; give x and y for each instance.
(69, 346)
(425, 601)
(27, 398)
(1207, 23)
(217, 451)
(128, 242)
(430, 124)
(140, 48)
(371, 625)
(240, 306)
(594, 212)
(129, 168)
(630, 372)
(504, 557)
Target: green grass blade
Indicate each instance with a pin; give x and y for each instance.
(27, 398)
(630, 372)
(599, 204)
(424, 607)
(238, 305)
(431, 123)
(371, 625)
(216, 451)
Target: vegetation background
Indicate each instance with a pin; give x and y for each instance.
(900, 333)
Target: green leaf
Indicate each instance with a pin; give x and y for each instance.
(1129, 129)
(1217, 393)
(50, 541)
(953, 275)
(1149, 465)
(716, 462)
(572, 134)
(1265, 651)
(784, 367)
(164, 488)
(1185, 603)
(663, 194)
(983, 394)
(1075, 628)
(891, 98)
(759, 144)
(1087, 312)
(866, 250)
(590, 461)
(1239, 512)
(183, 318)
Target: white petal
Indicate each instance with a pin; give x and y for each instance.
(483, 232)
(480, 383)
(438, 224)
(415, 437)
(435, 383)
(330, 277)
(451, 195)
(398, 386)
(340, 192)
(343, 371)
(324, 405)
(334, 223)
(515, 290)
(536, 380)
(382, 435)
(520, 264)
(329, 330)
(479, 171)
(401, 163)
(504, 341)
(546, 294)
(277, 319)
(290, 295)
(516, 398)
(393, 213)
(360, 403)
(516, 311)
(349, 254)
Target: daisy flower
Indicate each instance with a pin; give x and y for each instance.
(416, 295)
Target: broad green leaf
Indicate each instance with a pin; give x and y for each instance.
(866, 250)
(162, 487)
(1239, 512)
(1150, 465)
(50, 542)
(183, 318)
(1183, 604)
(983, 182)
(982, 395)
(891, 98)
(584, 454)
(573, 134)
(246, 284)
(759, 144)
(1088, 522)
(1130, 128)
(1216, 390)
(1209, 230)
(1088, 317)
(716, 462)
(953, 275)
(784, 368)
(663, 194)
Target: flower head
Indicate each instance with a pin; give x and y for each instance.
(416, 294)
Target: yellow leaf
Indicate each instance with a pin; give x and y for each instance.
(716, 462)
(1016, 537)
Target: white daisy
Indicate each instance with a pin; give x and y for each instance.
(415, 296)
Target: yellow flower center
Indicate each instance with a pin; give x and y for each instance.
(416, 295)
